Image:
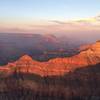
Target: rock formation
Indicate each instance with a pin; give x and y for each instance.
(57, 66)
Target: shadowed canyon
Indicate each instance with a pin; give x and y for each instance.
(68, 78)
(49, 49)
(41, 47)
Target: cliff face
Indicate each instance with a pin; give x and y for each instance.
(27, 79)
(58, 66)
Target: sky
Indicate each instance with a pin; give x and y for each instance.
(33, 16)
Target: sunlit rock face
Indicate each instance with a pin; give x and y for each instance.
(58, 66)
(92, 54)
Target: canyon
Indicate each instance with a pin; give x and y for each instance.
(56, 66)
(68, 78)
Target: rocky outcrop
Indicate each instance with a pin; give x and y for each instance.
(58, 66)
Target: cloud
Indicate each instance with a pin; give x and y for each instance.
(97, 18)
(57, 22)
(92, 21)
(54, 26)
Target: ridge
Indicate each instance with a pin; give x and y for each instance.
(58, 66)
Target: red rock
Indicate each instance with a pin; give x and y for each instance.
(58, 66)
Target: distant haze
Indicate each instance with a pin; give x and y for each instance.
(50, 16)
